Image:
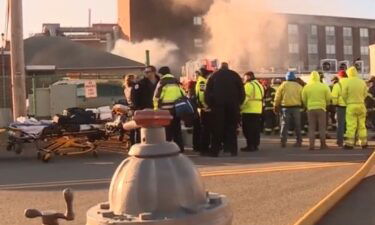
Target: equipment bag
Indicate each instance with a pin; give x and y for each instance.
(183, 107)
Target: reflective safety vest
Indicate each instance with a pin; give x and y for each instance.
(167, 92)
(200, 88)
(337, 99)
(254, 98)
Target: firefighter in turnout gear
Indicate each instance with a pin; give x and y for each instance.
(275, 84)
(251, 111)
(167, 92)
(354, 94)
(270, 122)
(206, 117)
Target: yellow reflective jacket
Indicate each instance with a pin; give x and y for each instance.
(336, 95)
(289, 95)
(167, 92)
(355, 91)
(316, 95)
(254, 98)
(200, 88)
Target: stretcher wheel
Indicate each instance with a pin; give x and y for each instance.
(18, 148)
(39, 156)
(46, 157)
(10, 147)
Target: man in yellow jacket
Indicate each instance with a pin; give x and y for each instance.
(354, 95)
(316, 96)
(289, 99)
(166, 94)
(206, 116)
(338, 102)
(251, 111)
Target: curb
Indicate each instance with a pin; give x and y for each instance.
(312, 216)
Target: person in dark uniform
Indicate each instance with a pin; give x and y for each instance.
(269, 115)
(143, 93)
(224, 95)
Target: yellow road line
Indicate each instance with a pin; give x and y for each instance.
(203, 174)
(318, 211)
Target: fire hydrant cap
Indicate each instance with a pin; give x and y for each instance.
(152, 118)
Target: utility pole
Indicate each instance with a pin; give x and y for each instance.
(89, 17)
(3, 45)
(17, 59)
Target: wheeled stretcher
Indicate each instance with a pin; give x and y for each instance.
(52, 139)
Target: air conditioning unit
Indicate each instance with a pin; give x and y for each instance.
(360, 66)
(328, 65)
(343, 65)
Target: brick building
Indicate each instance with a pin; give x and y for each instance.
(308, 39)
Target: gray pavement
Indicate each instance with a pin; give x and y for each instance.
(265, 195)
(357, 208)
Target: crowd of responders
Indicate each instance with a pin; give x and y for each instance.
(219, 103)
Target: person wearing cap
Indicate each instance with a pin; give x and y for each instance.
(288, 100)
(251, 111)
(206, 116)
(316, 96)
(224, 95)
(340, 105)
(167, 93)
(270, 122)
(354, 94)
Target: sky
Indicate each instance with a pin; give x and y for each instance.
(72, 13)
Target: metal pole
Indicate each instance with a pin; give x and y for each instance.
(17, 59)
(3, 44)
(34, 94)
(147, 57)
(89, 17)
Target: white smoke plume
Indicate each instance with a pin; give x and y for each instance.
(244, 32)
(160, 51)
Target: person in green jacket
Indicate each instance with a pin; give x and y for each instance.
(251, 111)
(340, 105)
(288, 100)
(316, 96)
(354, 94)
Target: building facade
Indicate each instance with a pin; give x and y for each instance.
(308, 39)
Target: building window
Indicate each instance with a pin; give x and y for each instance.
(314, 30)
(198, 20)
(293, 48)
(347, 32)
(313, 49)
(198, 43)
(293, 29)
(330, 30)
(348, 50)
(364, 50)
(363, 32)
(331, 49)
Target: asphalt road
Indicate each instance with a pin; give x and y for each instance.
(273, 186)
(357, 207)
